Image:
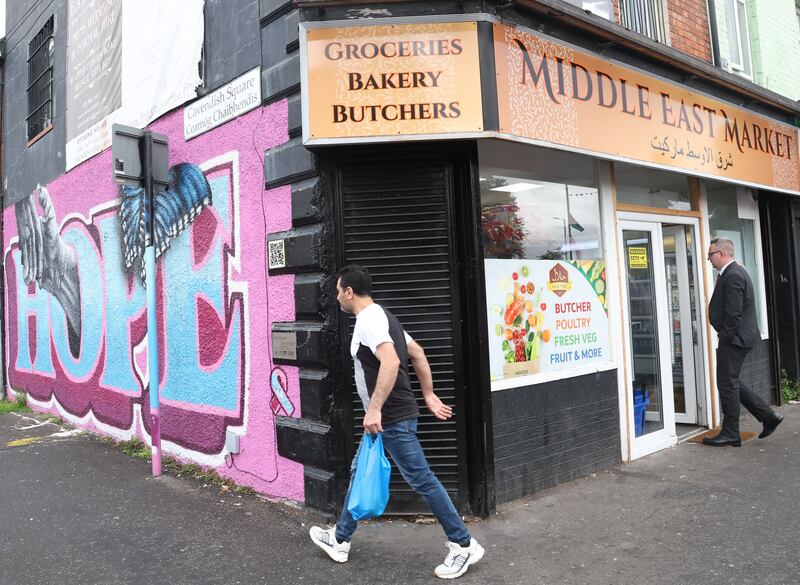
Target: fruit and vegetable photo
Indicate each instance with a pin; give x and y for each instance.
(545, 315)
(521, 330)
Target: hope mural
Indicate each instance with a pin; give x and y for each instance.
(76, 324)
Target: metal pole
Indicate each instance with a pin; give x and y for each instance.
(150, 289)
(564, 224)
(3, 391)
(568, 224)
(712, 25)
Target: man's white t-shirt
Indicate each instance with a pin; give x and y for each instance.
(374, 326)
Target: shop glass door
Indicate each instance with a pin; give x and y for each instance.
(650, 369)
(681, 290)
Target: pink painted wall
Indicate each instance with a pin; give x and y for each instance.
(216, 307)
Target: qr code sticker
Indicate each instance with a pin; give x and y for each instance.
(277, 256)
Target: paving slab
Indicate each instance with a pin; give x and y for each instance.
(75, 510)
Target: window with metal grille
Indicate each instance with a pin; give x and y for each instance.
(40, 81)
(647, 17)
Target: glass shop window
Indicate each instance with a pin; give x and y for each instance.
(543, 262)
(733, 214)
(652, 188)
(547, 211)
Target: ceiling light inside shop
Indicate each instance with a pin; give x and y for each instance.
(516, 187)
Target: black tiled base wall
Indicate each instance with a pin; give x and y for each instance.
(554, 432)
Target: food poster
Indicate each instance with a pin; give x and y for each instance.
(545, 316)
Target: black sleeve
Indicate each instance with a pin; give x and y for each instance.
(734, 305)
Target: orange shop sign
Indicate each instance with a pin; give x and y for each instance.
(389, 80)
(556, 94)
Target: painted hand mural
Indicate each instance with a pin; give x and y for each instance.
(48, 260)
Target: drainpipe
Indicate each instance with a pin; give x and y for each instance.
(712, 25)
(2, 201)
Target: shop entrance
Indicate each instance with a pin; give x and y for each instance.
(400, 226)
(663, 329)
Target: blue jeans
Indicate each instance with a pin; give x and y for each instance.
(400, 440)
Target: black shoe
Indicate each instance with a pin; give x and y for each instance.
(723, 439)
(770, 424)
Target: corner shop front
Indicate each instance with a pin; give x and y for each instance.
(572, 199)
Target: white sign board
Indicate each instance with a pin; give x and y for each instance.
(545, 316)
(226, 103)
(162, 44)
(94, 71)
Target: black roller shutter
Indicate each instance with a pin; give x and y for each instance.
(395, 213)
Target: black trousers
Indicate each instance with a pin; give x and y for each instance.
(733, 391)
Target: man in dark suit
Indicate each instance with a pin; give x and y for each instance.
(732, 313)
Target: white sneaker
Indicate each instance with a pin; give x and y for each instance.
(459, 559)
(326, 540)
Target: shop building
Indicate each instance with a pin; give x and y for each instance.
(532, 186)
(534, 192)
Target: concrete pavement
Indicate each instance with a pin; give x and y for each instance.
(75, 510)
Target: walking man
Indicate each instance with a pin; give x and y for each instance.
(732, 312)
(381, 349)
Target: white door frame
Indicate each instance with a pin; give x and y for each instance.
(687, 344)
(646, 444)
(666, 436)
(703, 371)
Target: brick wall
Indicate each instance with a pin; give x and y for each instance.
(688, 27)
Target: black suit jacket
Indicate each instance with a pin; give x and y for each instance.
(732, 310)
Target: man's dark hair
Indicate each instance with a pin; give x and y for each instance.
(356, 277)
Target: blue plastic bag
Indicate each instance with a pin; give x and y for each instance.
(370, 492)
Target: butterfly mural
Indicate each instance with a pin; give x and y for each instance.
(187, 194)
